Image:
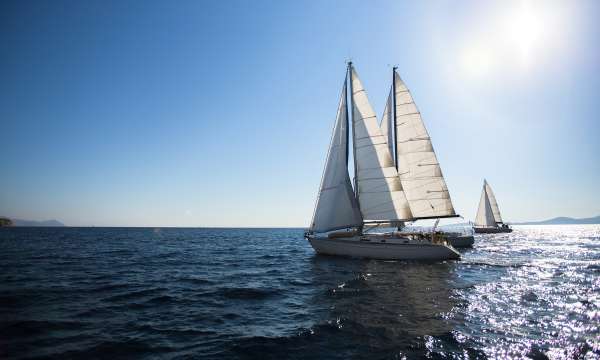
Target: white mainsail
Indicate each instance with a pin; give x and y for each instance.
(336, 206)
(493, 202)
(380, 194)
(485, 215)
(418, 167)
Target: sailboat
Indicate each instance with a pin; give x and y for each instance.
(415, 160)
(343, 213)
(488, 219)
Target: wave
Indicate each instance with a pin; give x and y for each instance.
(119, 348)
(36, 327)
(132, 295)
(247, 293)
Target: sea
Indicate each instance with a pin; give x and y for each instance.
(187, 293)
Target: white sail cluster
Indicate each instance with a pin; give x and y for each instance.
(418, 167)
(380, 193)
(386, 191)
(488, 213)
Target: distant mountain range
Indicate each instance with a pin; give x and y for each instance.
(563, 221)
(20, 222)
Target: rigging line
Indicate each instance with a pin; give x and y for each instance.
(371, 145)
(370, 136)
(378, 178)
(415, 139)
(433, 178)
(349, 77)
(411, 113)
(395, 116)
(419, 187)
(368, 117)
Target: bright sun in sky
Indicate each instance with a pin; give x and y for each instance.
(520, 35)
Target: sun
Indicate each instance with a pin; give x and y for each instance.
(524, 31)
(514, 36)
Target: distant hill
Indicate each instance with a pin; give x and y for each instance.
(563, 221)
(19, 222)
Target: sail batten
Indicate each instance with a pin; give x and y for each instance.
(417, 165)
(380, 193)
(336, 206)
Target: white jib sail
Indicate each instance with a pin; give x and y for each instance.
(493, 202)
(485, 215)
(387, 122)
(380, 193)
(336, 206)
(418, 167)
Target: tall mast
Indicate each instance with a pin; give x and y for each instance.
(394, 116)
(353, 132)
(347, 121)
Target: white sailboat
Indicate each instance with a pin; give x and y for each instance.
(378, 197)
(415, 160)
(488, 219)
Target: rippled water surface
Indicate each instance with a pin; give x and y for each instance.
(263, 293)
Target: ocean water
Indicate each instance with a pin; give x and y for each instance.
(264, 294)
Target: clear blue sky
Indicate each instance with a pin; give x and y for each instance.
(198, 113)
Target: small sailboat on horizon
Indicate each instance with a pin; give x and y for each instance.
(488, 219)
(378, 198)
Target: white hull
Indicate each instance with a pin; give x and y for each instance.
(374, 247)
(460, 241)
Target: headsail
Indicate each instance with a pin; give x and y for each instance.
(387, 122)
(336, 206)
(418, 167)
(380, 193)
(485, 215)
(493, 202)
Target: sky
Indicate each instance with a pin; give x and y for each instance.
(219, 113)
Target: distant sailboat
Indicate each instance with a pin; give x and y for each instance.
(415, 159)
(488, 219)
(378, 197)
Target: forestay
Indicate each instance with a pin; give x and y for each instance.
(493, 202)
(418, 167)
(485, 215)
(380, 192)
(336, 206)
